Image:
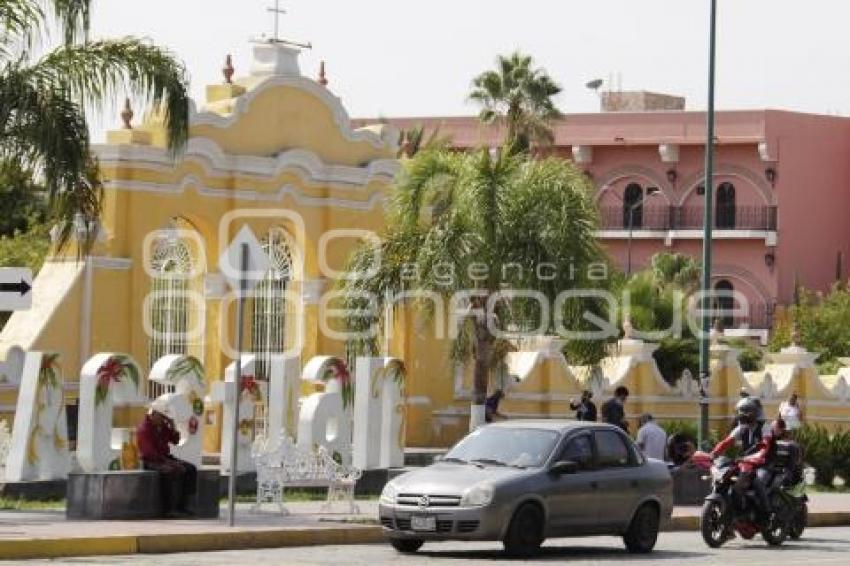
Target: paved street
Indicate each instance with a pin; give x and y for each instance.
(820, 546)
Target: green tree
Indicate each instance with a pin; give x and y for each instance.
(414, 140)
(23, 203)
(44, 93)
(823, 321)
(520, 97)
(488, 220)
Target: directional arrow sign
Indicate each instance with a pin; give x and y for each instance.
(256, 261)
(15, 287)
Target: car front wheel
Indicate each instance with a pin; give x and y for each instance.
(643, 531)
(406, 545)
(525, 533)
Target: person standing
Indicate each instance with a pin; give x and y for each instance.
(614, 410)
(651, 438)
(791, 412)
(491, 406)
(585, 409)
(178, 478)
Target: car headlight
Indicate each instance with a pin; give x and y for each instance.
(388, 494)
(477, 496)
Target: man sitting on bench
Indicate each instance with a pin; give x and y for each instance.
(178, 478)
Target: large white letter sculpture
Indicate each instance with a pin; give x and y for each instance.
(325, 418)
(184, 376)
(379, 411)
(251, 393)
(39, 449)
(284, 389)
(106, 381)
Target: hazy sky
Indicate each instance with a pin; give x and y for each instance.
(398, 57)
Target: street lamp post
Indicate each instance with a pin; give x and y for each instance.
(704, 370)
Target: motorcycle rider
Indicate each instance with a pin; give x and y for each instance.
(749, 437)
(760, 462)
(747, 434)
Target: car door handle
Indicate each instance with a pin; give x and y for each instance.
(594, 485)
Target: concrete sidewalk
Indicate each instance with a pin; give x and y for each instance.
(47, 534)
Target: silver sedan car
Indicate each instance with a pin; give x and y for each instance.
(524, 481)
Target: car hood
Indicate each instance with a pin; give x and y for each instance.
(454, 479)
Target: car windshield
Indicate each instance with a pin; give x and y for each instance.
(520, 447)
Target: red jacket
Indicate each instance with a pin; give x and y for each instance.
(154, 441)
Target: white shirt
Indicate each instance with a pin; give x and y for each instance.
(791, 415)
(652, 440)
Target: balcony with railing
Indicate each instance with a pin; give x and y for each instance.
(662, 218)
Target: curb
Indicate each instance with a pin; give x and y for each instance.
(255, 539)
(186, 542)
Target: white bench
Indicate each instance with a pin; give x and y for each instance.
(281, 464)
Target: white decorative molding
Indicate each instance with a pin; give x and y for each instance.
(112, 263)
(275, 59)
(769, 236)
(669, 152)
(215, 286)
(333, 103)
(194, 182)
(312, 290)
(583, 154)
(217, 164)
(768, 152)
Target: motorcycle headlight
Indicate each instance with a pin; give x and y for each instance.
(477, 496)
(388, 494)
(717, 473)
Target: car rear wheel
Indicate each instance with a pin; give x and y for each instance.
(525, 533)
(406, 545)
(643, 531)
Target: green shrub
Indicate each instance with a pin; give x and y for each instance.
(840, 447)
(818, 452)
(750, 356)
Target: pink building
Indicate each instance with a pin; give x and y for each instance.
(782, 189)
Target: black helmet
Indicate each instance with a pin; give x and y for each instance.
(747, 410)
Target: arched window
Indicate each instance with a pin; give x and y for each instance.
(725, 206)
(173, 312)
(270, 310)
(724, 301)
(633, 206)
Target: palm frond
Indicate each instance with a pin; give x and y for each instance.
(20, 21)
(74, 17)
(48, 132)
(96, 72)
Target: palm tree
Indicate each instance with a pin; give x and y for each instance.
(44, 94)
(490, 220)
(413, 140)
(520, 97)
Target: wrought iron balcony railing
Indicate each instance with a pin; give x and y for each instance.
(745, 217)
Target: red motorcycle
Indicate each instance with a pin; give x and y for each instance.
(732, 506)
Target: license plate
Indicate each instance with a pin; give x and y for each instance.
(423, 523)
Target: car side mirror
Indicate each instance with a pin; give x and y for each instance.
(564, 467)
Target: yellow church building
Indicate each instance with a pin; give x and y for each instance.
(276, 151)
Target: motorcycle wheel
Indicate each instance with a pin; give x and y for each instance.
(775, 531)
(711, 524)
(799, 523)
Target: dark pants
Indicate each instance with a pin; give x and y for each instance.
(760, 483)
(178, 481)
